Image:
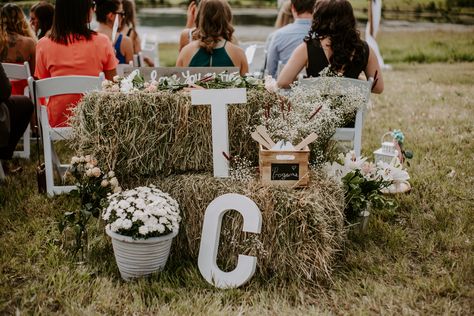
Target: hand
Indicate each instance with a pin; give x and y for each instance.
(190, 15)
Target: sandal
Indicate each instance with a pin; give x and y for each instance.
(397, 187)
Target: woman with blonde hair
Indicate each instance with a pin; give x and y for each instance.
(213, 46)
(17, 42)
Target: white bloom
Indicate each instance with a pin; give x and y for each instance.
(96, 172)
(143, 230)
(114, 182)
(126, 85)
(87, 158)
(74, 160)
(89, 173)
(117, 189)
(104, 183)
(111, 174)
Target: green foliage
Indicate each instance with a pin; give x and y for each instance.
(362, 194)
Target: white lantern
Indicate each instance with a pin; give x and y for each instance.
(387, 152)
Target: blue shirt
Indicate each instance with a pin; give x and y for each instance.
(284, 42)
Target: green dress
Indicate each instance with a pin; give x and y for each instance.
(218, 58)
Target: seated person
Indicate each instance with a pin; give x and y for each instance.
(72, 48)
(17, 42)
(186, 36)
(106, 11)
(129, 28)
(333, 42)
(20, 109)
(213, 47)
(286, 39)
(41, 18)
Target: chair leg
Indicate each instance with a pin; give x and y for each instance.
(48, 159)
(2, 173)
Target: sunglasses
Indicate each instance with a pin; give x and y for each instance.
(121, 13)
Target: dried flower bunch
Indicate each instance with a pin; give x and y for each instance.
(93, 186)
(142, 212)
(135, 82)
(308, 110)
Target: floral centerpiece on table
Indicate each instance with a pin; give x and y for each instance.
(134, 82)
(364, 181)
(142, 212)
(93, 186)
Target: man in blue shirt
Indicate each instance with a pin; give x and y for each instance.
(286, 39)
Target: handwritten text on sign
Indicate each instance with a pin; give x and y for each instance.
(284, 172)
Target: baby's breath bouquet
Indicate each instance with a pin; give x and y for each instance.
(142, 213)
(308, 110)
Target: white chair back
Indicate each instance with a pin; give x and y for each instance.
(48, 87)
(150, 49)
(256, 57)
(21, 72)
(121, 68)
(353, 134)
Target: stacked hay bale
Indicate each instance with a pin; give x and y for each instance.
(160, 138)
(153, 133)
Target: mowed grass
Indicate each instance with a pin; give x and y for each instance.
(417, 260)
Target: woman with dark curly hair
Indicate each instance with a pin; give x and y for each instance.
(213, 46)
(333, 42)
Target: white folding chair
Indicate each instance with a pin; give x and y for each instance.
(150, 49)
(20, 72)
(256, 57)
(353, 134)
(121, 68)
(51, 87)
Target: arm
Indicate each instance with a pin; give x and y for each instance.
(5, 85)
(110, 74)
(137, 43)
(190, 14)
(244, 66)
(183, 39)
(184, 57)
(372, 68)
(272, 58)
(296, 63)
(127, 48)
(32, 55)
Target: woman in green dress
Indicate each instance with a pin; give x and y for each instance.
(213, 46)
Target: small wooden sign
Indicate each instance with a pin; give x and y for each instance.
(192, 74)
(284, 171)
(284, 167)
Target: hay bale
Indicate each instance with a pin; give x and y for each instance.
(302, 229)
(151, 133)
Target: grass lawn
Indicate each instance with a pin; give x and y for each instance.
(417, 260)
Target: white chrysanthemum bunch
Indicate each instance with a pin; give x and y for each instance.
(142, 212)
(241, 169)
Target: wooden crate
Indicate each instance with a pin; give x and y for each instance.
(284, 167)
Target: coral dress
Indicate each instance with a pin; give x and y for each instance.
(82, 57)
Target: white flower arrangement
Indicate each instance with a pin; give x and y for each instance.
(388, 172)
(308, 110)
(364, 182)
(135, 82)
(142, 212)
